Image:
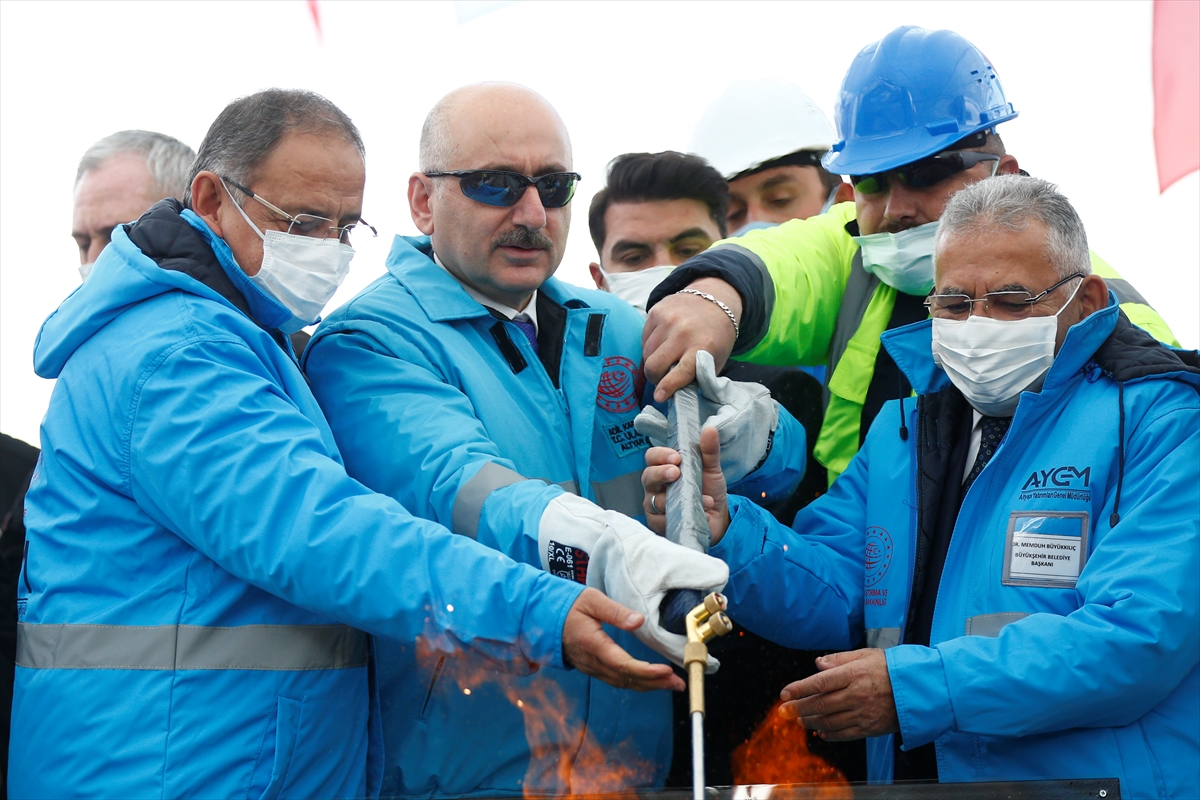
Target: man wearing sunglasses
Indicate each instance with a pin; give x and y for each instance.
(200, 571)
(1017, 547)
(482, 392)
(917, 118)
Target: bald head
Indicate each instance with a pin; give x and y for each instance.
(504, 251)
(486, 110)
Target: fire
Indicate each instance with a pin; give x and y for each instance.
(557, 756)
(556, 761)
(777, 752)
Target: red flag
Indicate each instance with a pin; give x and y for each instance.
(1176, 89)
(315, 10)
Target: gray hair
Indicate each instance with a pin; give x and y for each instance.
(167, 158)
(1011, 202)
(246, 132)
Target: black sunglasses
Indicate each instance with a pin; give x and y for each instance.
(500, 188)
(921, 174)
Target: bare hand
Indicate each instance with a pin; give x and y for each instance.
(850, 698)
(662, 469)
(681, 324)
(593, 652)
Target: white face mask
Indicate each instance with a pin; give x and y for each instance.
(86, 269)
(902, 260)
(635, 287)
(991, 361)
(301, 272)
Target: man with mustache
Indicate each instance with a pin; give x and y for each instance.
(484, 393)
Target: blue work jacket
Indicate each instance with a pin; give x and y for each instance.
(1066, 632)
(200, 567)
(448, 409)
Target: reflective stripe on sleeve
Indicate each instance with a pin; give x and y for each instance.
(185, 647)
(883, 638)
(468, 503)
(990, 624)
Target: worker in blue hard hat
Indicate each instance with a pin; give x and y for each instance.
(916, 117)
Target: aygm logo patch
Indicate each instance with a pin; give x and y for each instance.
(618, 390)
(878, 554)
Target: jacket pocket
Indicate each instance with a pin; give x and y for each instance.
(433, 679)
(277, 749)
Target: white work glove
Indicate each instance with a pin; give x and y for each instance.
(628, 562)
(744, 415)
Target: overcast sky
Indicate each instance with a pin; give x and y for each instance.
(625, 77)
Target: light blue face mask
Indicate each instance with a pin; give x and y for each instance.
(758, 226)
(829, 201)
(902, 260)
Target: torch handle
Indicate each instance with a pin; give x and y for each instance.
(697, 755)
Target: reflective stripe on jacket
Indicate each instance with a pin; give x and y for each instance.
(807, 300)
(1081, 663)
(199, 565)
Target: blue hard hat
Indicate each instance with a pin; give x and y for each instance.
(913, 93)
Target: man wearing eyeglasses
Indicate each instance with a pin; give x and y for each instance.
(485, 394)
(917, 118)
(200, 572)
(1017, 546)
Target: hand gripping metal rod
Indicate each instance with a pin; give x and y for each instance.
(704, 622)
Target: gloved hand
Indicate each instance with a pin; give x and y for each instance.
(628, 562)
(744, 415)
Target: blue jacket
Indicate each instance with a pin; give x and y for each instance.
(1031, 673)
(198, 560)
(449, 410)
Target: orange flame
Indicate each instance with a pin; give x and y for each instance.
(560, 759)
(777, 752)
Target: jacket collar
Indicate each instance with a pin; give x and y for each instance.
(911, 347)
(265, 310)
(440, 296)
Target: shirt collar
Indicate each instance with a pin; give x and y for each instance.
(479, 297)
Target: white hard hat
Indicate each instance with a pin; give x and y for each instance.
(757, 121)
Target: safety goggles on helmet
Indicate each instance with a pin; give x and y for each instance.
(923, 173)
(500, 188)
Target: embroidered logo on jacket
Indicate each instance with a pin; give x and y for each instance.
(878, 558)
(618, 390)
(1059, 483)
(625, 439)
(567, 562)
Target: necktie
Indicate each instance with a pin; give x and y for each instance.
(525, 323)
(992, 430)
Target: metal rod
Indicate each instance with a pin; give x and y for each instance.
(686, 523)
(697, 755)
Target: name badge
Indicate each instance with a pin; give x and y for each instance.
(1045, 548)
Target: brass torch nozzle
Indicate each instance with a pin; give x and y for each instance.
(704, 623)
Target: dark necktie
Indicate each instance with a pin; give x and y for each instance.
(991, 432)
(525, 323)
